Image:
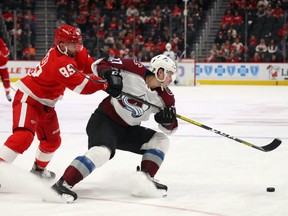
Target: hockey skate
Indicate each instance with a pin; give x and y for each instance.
(63, 189)
(8, 97)
(146, 186)
(42, 173)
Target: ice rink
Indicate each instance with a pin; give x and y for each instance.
(207, 174)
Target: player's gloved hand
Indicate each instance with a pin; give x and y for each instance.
(166, 115)
(114, 80)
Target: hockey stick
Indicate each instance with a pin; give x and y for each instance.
(271, 146)
(86, 76)
(13, 88)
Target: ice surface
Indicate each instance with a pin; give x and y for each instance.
(207, 174)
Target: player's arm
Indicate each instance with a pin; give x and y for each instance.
(75, 81)
(104, 69)
(166, 117)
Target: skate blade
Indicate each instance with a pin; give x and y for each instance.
(143, 187)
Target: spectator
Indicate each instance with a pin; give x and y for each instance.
(238, 48)
(283, 31)
(232, 58)
(232, 31)
(213, 53)
(143, 17)
(8, 19)
(250, 49)
(238, 22)
(225, 49)
(272, 47)
(29, 53)
(256, 58)
(277, 12)
(109, 40)
(262, 11)
(283, 47)
(177, 11)
(220, 39)
(261, 47)
(132, 11)
(228, 18)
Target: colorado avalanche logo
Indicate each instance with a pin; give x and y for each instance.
(208, 69)
(254, 70)
(231, 70)
(136, 108)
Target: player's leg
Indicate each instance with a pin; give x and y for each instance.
(6, 81)
(23, 128)
(102, 140)
(48, 133)
(153, 146)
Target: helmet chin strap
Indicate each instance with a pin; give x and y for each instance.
(161, 81)
(63, 52)
(162, 86)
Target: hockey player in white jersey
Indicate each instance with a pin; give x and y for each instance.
(116, 124)
(172, 55)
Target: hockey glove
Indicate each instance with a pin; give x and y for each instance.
(166, 115)
(114, 80)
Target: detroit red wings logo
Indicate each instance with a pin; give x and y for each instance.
(273, 71)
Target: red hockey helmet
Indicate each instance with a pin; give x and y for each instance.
(67, 34)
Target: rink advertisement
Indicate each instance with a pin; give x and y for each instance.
(18, 69)
(205, 73)
(241, 72)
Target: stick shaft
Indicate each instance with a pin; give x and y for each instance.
(271, 146)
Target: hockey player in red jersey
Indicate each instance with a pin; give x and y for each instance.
(4, 75)
(38, 92)
(115, 124)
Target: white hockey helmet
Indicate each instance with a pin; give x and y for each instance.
(164, 62)
(168, 46)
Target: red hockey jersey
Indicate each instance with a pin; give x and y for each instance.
(4, 53)
(47, 82)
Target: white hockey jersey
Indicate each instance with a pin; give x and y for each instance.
(126, 111)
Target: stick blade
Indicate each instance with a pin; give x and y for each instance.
(273, 145)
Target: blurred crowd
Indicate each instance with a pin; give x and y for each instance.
(251, 31)
(121, 28)
(132, 28)
(24, 33)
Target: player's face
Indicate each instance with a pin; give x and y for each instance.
(168, 79)
(73, 48)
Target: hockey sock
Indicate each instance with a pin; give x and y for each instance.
(80, 167)
(151, 161)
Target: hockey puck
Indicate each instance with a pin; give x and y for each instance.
(270, 189)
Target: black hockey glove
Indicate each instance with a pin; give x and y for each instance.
(166, 115)
(114, 80)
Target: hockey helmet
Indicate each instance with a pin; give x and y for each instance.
(67, 34)
(162, 62)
